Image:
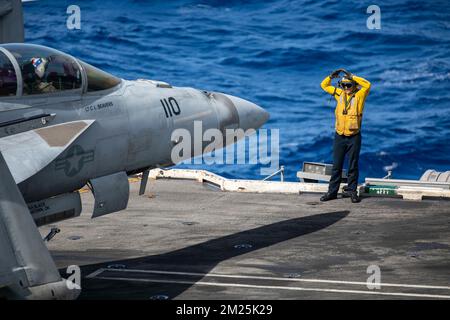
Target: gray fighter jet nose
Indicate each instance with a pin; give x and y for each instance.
(251, 116)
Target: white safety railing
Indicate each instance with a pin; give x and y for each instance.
(279, 171)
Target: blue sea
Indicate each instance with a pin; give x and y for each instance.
(275, 53)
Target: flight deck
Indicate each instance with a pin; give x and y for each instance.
(190, 240)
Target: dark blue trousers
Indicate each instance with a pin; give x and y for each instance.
(345, 145)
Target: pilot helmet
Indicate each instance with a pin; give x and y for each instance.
(39, 64)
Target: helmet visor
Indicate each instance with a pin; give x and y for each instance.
(347, 85)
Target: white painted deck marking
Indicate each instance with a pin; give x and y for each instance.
(238, 285)
(97, 275)
(217, 275)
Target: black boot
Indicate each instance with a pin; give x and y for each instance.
(354, 197)
(328, 196)
(346, 192)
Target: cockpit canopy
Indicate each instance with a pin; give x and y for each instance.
(27, 69)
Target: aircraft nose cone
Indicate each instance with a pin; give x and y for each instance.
(251, 116)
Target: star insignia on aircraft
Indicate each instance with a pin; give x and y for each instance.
(75, 160)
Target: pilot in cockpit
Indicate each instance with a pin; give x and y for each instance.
(34, 72)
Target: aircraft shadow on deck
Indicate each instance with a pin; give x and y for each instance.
(199, 258)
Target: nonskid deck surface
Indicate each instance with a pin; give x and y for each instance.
(185, 240)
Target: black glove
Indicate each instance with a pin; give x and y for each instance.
(335, 74)
(347, 74)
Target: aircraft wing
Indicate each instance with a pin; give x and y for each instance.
(6, 106)
(27, 270)
(28, 152)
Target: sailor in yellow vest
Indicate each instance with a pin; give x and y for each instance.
(350, 96)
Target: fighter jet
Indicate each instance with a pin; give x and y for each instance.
(65, 124)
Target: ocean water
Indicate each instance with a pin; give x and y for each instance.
(275, 53)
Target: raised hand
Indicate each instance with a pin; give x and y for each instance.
(348, 74)
(335, 74)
